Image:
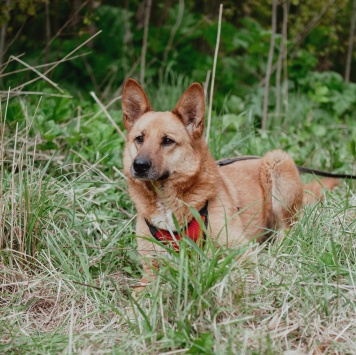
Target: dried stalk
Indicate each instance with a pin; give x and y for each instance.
(300, 38)
(269, 65)
(107, 114)
(174, 31)
(282, 63)
(285, 56)
(144, 43)
(213, 74)
(21, 86)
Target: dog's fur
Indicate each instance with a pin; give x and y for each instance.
(169, 168)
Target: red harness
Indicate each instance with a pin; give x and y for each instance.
(193, 231)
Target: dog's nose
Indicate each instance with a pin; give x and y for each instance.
(141, 165)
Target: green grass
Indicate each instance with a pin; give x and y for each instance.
(68, 258)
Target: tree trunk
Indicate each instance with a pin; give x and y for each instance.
(3, 39)
(48, 32)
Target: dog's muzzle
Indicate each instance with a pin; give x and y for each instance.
(142, 169)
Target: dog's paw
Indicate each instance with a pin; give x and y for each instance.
(139, 290)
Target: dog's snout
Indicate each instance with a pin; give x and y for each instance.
(141, 165)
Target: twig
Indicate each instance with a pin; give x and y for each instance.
(70, 335)
(174, 31)
(311, 25)
(4, 65)
(128, 75)
(64, 26)
(91, 74)
(18, 93)
(100, 111)
(40, 66)
(285, 57)
(87, 285)
(320, 284)
(269, 65)
(213, 74)
(20, 87)
(103, 108)
(144, 44)
(282, 62)
(172, 352)
(13, 39)
(119, 172)
(48, 30)
(38, 73)
(206, 84)
(299, 39)
(278, 80)
(99, 172)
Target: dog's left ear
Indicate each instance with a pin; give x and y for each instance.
(191, 109)
(134, 103)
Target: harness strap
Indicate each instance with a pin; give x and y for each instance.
(232, 160)
(301, 169)
(193, 231)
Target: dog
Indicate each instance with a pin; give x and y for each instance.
(169, 171)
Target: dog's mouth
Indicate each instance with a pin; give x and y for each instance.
(149, 175)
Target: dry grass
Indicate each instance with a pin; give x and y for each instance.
(68, 262)
(288, 301)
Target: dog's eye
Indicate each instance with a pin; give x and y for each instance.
(167, 141)
(139, 139)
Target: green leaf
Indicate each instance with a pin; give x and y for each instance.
(202, 345)
(318, 130)
(327, 259)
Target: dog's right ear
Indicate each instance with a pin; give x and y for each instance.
(134, 103)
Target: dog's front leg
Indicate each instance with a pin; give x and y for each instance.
(148, 251)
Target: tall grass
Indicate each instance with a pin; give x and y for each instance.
(68, 257)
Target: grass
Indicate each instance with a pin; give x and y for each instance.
(68, 259)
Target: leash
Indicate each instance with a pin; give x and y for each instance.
(301, 169)
(325, 174)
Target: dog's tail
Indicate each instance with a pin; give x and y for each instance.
(313, 192)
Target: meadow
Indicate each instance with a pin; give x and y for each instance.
(68, 259)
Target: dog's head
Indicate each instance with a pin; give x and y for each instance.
(162, 145)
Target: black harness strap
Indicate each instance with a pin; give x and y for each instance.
(232, 160)
(301, 169)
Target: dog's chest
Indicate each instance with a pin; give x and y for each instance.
(162, 218)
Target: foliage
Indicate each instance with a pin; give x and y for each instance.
(188, 49)
(68, 261)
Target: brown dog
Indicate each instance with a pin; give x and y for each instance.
(170, 169)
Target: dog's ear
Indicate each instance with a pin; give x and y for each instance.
(191, 109)
(134, 103)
